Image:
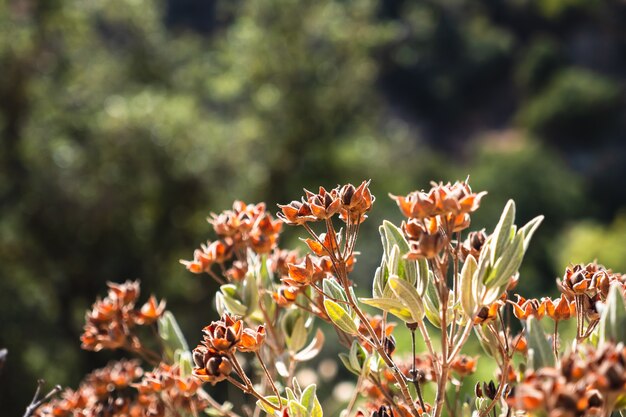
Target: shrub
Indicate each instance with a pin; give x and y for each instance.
(443, 282)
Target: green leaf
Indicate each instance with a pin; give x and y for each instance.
(340, 317)
(229, 290)
(296, 409)
(185, 362)
(171, 335)
(299, 334)
(291, 396)
(423, 276)
(468, 294)
(380, 280)
(309, 400)
(390, 305)
(313, 348)
(394, 236)
(393, 259)
(234, 306)
(250, 291)
(264, 273)
(345, 359)
(408, 296)
(507, 264)
(358, 356)
(529, 230)
(332, 288)
(539, 350)
(431, 304)
(502, 232)
(273, 400)
(612, 325)
(487, 340)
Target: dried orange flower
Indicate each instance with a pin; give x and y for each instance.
(251, 340)
(519, 343)
(559, 309)
(285, 295)
(383, 411)
(103, 392)
(210, 366)
(582, 384)
(473, 244)
(523, 308)
(324, 204)
(488, 313)
(223, 335)
(165, 388)
(150, 311)
(301, 274)
(245, 226)
(426, 239)
(435, 215)
(355, 202)
(464, 365)
(109, 324)
(456, 198)
(296, 213)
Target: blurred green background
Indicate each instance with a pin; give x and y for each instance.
(123, 123)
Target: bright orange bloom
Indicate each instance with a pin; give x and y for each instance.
(559, 309)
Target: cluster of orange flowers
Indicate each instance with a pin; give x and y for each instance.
(435, 215)
(304, 272)
(109, 323)
(104, 392)
(583, 287)
(213, 358)
(246, 226)
(582, 385)
(165, 388)
(558, 309)
(121, 389)
(589, 286)
(350, 202)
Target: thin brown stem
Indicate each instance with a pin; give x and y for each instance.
(429, 345)
(355, 395)
(267, 374)
(445, 364)
(415, 375)
(275, 346)
(248, 388)
(215, 277)
(461, 341)
(213, 403)
(398, 376)
(555, 341)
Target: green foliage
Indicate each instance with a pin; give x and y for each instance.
(174, 342)
(586, 241)
(539, 349)
(577, 103)
(612, 325)
(340, 316)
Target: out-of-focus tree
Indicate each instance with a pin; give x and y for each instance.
(589, 240)
(118, 137)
